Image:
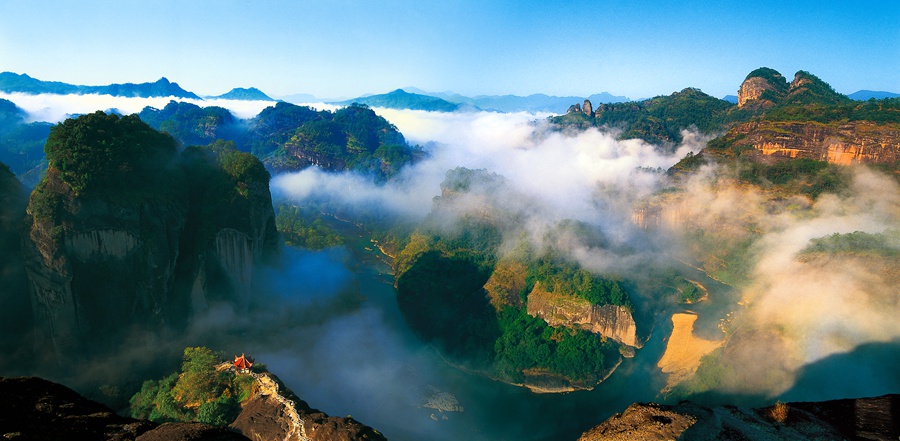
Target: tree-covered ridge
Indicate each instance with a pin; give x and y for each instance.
(658, 120)
(22, 143)
(810, 89)
(302, 228)
(11, 82)
(559, 277)
(191, 124)
(244, 94)
(401, 99)
(886, 243)
(289, 137)
(772, 77)
(200, 392)
(881, 112)
(107, 153)
(126, 162)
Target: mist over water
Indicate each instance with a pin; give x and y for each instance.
(809, 310)
(327, 322)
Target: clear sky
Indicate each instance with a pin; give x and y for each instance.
(345, 48)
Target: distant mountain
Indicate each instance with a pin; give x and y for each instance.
(302, 98)
(400, 99)
(733, 99)
(11, 82)
(515, 103)
(239, 93)
(191, 124)
(865, 95)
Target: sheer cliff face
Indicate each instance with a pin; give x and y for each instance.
(614, 322)
(15, 315)
(844, 144)
(108, 258)
(97, 265)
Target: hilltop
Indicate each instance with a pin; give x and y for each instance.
(771, 120)
(240, 93)
(400, 99)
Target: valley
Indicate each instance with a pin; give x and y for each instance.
(539, 281)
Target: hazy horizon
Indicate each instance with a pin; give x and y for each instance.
(350, 48)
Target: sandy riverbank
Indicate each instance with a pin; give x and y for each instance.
(684, 350)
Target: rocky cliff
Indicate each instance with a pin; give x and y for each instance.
(274, 412)
(862, 419)
(845, 143)
(124, 231)
(35, 409)
(614, 322)
(762, 88)
(16, 312)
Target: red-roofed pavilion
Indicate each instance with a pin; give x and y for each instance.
(242, 363)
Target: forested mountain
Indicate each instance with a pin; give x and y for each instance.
(658, 120)
(191, 124)
(773, 118)
(400, 99)
(288, 137)
(21, 143)
(240, 93)
(11, 82)
(513, 103)
(127, 231)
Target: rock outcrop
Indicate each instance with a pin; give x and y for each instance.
(274, 412)
(32, 408)
(863, 418)
(845, 143)
(614, 322)
(588, 108)
(762, 88)
(125, 242)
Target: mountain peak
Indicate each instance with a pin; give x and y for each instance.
(807, 88)
(244, 94)
(763, 87)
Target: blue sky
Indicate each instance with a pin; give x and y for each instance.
(334, 48)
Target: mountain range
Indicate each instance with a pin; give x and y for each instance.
(513, 103)
(405, 98)
(12, 82)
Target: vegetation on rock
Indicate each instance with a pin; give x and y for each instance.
(200, 392)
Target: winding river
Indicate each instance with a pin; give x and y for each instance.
(367, 363)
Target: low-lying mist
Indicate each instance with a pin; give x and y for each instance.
(808, 308)
(327, 323)
(56, 108)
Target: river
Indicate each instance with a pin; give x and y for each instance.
(368, 364)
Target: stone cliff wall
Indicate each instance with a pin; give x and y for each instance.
(235, 252)
(101, 266)
(845, 144)
(752, 89)
(614, 322)
(98, 269)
